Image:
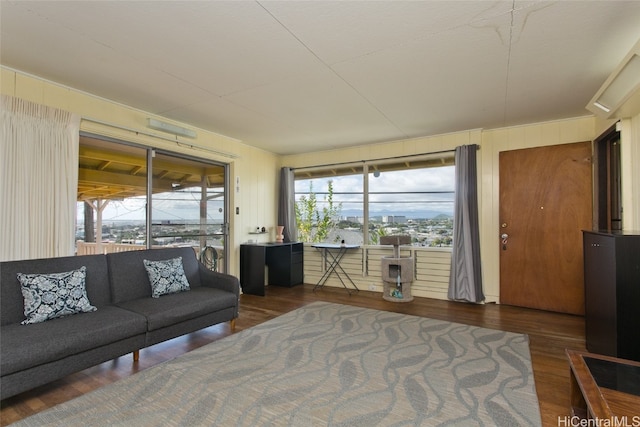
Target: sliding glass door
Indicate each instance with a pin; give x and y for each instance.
(121, 206)
(188, 206)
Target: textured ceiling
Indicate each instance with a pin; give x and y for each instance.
(299, 76)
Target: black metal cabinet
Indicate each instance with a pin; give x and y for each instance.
(284, 261)
(612, 293)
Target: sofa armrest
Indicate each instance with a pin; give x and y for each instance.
(213, 279)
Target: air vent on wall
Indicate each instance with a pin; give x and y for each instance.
(169, 128)
(619, 96)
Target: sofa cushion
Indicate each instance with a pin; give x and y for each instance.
(166, 276)
(129, 279)
(26, 346)
(11, 300)
(175, 308)
(47, 296)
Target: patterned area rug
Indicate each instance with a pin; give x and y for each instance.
(326, 365)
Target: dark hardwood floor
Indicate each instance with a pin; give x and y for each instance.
(549, 334)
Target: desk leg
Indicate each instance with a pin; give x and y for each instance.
(337, 265)
(326, 273)
(333, 264)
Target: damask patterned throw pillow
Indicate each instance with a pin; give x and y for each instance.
(48, 296)
(166, 277)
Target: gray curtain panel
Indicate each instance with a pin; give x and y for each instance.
(465, 280)
(286, 205)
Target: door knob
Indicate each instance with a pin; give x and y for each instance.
(503, 238)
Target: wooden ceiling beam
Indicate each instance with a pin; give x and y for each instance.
(118, 179)
(174, 165)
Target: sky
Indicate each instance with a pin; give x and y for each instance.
(409, 186)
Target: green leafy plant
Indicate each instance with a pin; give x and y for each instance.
(315, 224)
(375, 234)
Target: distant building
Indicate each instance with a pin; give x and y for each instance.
(356, 219)
(394, 219)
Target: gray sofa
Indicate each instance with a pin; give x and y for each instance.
(127, 317)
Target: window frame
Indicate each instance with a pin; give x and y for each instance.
(151, 157)
(432, 160)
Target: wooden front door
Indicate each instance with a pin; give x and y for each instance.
(545, 203)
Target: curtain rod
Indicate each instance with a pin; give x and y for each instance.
(435, 153)
(163, 137)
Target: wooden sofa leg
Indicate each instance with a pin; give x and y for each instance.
(136, 355)
(232, 325)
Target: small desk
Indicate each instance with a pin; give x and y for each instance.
(285, 262)
(333, 253)
(604, 387)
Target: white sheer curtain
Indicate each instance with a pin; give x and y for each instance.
(38, 180)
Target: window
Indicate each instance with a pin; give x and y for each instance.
(187, 200)
(417, 202)
(360, 203)
(329, 209)
(187, 203)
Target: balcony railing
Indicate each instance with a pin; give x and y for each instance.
(92, 248)
(431, 268)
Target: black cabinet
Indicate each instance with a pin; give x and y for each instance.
(612, 293)
(284, 261)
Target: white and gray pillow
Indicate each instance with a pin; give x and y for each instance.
(53, 295)
(166, 277)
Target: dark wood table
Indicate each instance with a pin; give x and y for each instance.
(604, 388)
